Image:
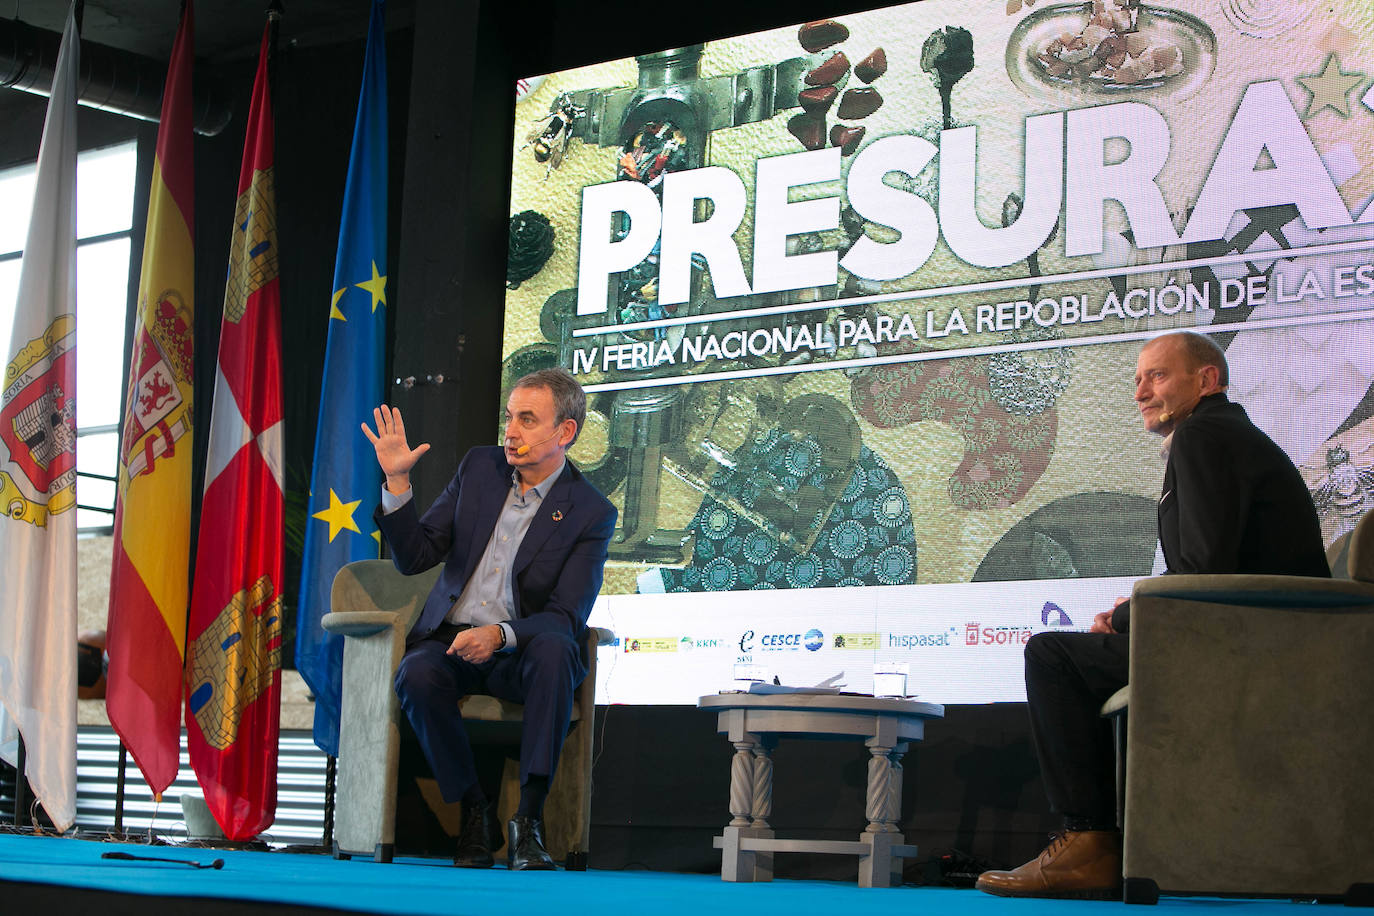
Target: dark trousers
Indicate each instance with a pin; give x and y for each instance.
(542, 674)
(1068, 678)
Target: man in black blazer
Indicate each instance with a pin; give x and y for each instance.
(1232, 502)
(523, 539)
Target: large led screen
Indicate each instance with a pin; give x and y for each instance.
(857, 304)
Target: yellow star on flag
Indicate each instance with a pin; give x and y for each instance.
(334, 305)
(1330, 88)
(339, 515)
(376, 287)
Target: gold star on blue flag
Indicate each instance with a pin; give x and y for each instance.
(339, 515)
(353, 384)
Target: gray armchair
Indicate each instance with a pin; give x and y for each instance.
(1250, 734)
(373, 608)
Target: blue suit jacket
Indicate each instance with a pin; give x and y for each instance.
(557, 571)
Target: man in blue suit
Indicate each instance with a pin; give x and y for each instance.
(523, 538)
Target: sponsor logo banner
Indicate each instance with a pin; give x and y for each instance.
(650, 644)
(856, 641)
(974, 635)
(920, 640)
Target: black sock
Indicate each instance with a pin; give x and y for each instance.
(474, 797)
(532, 795)
(1075, 822)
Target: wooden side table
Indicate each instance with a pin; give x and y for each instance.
(753, 724)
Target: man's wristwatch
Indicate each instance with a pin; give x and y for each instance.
(502, 630)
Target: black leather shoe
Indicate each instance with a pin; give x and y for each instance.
(526, 845)
(475, 838)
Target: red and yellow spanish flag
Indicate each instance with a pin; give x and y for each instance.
(149, 580)
(233, 653)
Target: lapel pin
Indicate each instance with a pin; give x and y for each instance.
(558, 515)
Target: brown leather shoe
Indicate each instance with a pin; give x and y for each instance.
(1077, 863)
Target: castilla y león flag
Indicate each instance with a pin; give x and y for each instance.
(149, 576)
(233, 651)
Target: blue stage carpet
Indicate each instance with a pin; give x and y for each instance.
(264, 880)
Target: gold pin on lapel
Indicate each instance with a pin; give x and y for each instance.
(558, 515)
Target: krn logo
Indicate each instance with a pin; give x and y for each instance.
(687, 644)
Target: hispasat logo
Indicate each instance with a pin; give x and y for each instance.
(921, 640)
(974, 635)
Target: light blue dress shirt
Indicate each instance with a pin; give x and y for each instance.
(489, 595)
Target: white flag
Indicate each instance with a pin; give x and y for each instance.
(38, 467)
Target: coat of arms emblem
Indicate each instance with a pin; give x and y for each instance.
(38, 426)
(161, 365)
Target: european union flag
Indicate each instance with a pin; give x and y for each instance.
(345, 475)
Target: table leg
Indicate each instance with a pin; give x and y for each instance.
(896, 790)
(751, 803)
(763, 806)
(876, 865)
(876, 862)
(884, 791)
(763, 785)
(742, 783)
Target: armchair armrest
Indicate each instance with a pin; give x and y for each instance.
(359, 623)
(1256, 591)
(369, 596)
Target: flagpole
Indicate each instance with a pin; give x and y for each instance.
(274, 15)
(331, 771)
(21, 785)
(119, 790)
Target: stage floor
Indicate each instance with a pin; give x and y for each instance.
(54, 874)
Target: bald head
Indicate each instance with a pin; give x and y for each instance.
(1173, 373)
(1198, 350)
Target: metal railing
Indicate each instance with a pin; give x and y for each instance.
(300, 790)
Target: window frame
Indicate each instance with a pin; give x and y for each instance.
(133, 233)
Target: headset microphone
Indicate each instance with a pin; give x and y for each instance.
(1164, 416)
(525, 449)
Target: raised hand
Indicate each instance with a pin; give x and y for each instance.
(394, 454)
